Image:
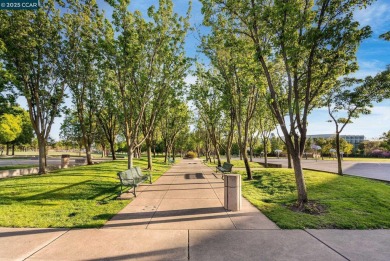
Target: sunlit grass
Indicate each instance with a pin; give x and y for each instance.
(76, 197)
(351, 202)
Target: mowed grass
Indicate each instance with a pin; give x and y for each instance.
(80, 197)
(351, 202)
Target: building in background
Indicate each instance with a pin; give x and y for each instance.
(353, 139)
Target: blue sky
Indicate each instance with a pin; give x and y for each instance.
(373, 56)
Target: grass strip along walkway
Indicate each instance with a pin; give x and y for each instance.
(347, 202)
(76, 197)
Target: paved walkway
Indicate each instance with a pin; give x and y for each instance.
(181, 217)
(371, 170)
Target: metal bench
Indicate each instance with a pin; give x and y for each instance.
(226, 168)
(132, 178)
(171, 161)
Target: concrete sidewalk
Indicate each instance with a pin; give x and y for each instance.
(181, 217)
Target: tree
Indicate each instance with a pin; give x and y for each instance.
(241, 82)
(315, 41)
(175, 121)
(27, 134)
(385, 141)
(208, 100)
(385, 36)
(10, 128)
(84, 31)
(147, 58)
(266, 126)
(70, 131)
(33, 43)
(345, 104)
(7, 97)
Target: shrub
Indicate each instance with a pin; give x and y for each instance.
(191, 155)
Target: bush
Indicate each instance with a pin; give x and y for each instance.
(191, 155)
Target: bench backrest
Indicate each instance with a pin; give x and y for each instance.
(227, 166)
(130, 176)
(126, 177)
(138, 171)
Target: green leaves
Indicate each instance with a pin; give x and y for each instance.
(10, 127)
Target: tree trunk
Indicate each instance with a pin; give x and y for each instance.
(207, 151)
(339, 163)
(218, 157)
(228, 154)
(7, 150)
(230, 136)
(88, 153)
(299, 180)
(166, 154)
(265, 153)
(149, 153)
(42, 155)
(247, 167)
(103, 151)
(129, 156)
(289, 163)
(13, 150)
(112, 148)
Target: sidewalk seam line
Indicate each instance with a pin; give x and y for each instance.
(46, 245)
(227, 213)
(150, 220)
(326, 244)
(188, 244)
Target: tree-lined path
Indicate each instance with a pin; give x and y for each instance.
(181, 217)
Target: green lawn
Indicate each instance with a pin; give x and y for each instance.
(351, 202)
(76, 197)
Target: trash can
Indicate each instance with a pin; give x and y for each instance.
(65, 161)
(232, 192)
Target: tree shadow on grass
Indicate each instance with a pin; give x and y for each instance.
(351, 202)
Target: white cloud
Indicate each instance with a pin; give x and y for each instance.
(375, 15)
(369, 68)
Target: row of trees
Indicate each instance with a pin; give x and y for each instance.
(122, 77)
(274, 62)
